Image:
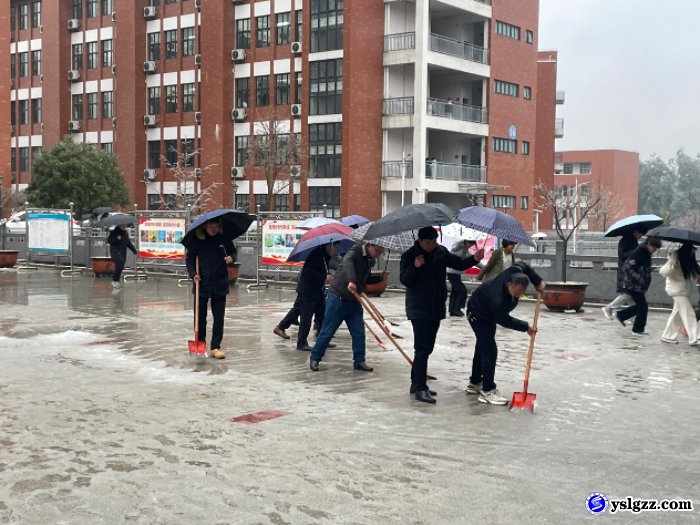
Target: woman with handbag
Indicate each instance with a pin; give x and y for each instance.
(680, 271)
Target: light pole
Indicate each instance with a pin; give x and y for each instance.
(404, 157)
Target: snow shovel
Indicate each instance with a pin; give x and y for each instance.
(525, 399)
(198, 348)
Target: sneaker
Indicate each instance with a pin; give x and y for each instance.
(116, 285)
(474, 388)
(608, 313)
(695, 343)
(218, 353)
(616, 316)
(669, 341)
(640, 334)
(492, 397)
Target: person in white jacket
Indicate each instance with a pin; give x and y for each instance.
(680, 271)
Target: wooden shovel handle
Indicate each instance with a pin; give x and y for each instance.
(532, 340)
(381, 325)
(196, 300)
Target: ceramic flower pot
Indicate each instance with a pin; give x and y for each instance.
(102, 266)
(8, 258)
(560, 296)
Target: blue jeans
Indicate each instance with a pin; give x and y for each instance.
(338, 311)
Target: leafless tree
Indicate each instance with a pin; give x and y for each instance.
(690, 220)
(11, 200)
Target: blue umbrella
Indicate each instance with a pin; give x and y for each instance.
(494, 223)
(314, 222)
(235, 223)
(633, 222)
(320, 236)
(354, 221)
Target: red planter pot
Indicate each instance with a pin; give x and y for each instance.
(102, 266)
(561, 296)
(377, 283)
(233, 270)
(8, 258)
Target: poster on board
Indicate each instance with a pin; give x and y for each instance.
(160, 238)
(48, 232)
(278, 240)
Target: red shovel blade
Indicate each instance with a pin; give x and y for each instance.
(198, 349)
(524, 400)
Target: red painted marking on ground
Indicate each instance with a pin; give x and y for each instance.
(588, 319)
(573, 357)
(257, 417)
(97, 343)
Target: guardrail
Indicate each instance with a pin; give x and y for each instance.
(467, 113)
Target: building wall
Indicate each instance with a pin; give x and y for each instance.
(5, 129)
(546, 115)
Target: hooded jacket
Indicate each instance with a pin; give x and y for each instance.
(117, 247)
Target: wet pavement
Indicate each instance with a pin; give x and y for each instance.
(105, 419)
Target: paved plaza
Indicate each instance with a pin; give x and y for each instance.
(105, 419)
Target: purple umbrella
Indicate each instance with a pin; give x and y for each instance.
(354, 221)
(494, 223)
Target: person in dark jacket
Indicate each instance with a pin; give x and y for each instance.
(341, 305)
(458, 292)
(423, 270)
(208, 245)
(118, 243)
(490, 305)
(637, 270)
(310, 301)
(628, 243)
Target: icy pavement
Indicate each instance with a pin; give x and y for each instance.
(105, 419)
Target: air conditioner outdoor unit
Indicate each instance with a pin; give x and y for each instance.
(197, 116)
(73, 75)
(294, 171)
(149, 12)
(237, 55)
(150, 120)
(296, 110)
(237, 173)
(238, 2)
(114, 69)
(149, 67)
(149, 175)
(114, 122)
(296, 48)
(73, 24)
(74, 125)
(198, 173)
(198, 60)
(198, 4)
(114, 16)
(41, 78)
(238, 114)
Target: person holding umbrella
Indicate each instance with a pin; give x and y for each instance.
(118, 243)
(680, 271)
(458, 292)
(500, 260)
(423, 270)
(628, 243)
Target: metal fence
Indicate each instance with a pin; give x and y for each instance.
(395, 169)
(400, 41)
(458, 172)
(442, 108)
(458, 48)
(399, 106)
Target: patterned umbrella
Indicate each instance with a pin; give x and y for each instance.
(319, 236)
(494, 223)
(458, 231)
(399, 242)
(628, 224)
(313, 222)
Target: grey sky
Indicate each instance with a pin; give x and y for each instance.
(631, 72)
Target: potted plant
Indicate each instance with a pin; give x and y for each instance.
(8, 258)
(570, 206)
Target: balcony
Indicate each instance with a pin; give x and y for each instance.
(455, 172)
(399, 106)
(394, 169)
(399, 41)
(458, 48)
(560, 97)
(442, 108)
(559, 128)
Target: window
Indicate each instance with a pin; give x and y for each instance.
(262, 31)
(23, 64)
(24, 111)
(568, 168)
(13, 113)
(188, 41)
(92, 106)
(297, 93)
(526, 147)
(154, 100)
(36, 62)
(171, 44)
(242, 92)
(262, 90)
(23, 16)
(297, 28)
(92, 55)
(187, 152)
(524, 203)
(107, 7)
(107, 53)
(282, 87)
(325, 150)
(326, 25)
(527, 92)
(13, 162)
(261, 149)
(108, 147)
(36, 151)
(107, 104)
(153, 46)
(187, 97)
(171, 156)
(529, 36)
(505, 88)
(505, 145)
(328, 195)
(91, 6)
(503, 201)
(171, 99)
(507, 30)
(282, 149)
(77, 56)
(13, 22)
(170, 1)
(23, 159)
(36, 14)
(326, 87)
(283, 28)
(153, 154)
(585, 168)
(243, 33)
(242, 202)
(13, 65)
(36, 110)
(242, 150)
(78, 9)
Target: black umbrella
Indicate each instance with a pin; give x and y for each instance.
(98, 213)
(235, 223)
(412, 217)
(673, 234)
(116, 219)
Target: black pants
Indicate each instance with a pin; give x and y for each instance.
(485, 352)
(118, 268)
(294, 314)
(639, 310)
(424, 335)
(308, 308)
(218, 309)
(458, 295)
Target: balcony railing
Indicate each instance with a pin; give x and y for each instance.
(400, 41)
(393, 169)
(458, 48)
(559, 128)
(398, 106)
(458, 172)
(442, 108)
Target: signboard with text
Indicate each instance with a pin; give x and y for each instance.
(160, 238)
(48, 232)
(278, 240)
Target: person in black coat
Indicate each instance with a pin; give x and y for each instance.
(423, 271)
(628, 243)
(490, 305)
(208, 245)
(118, 243)
(311, 291)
